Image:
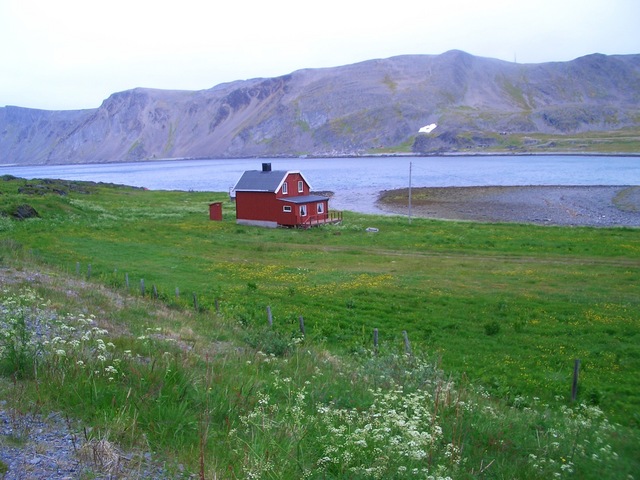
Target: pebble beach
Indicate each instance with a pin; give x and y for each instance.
(594, 206)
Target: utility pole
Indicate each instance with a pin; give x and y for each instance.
(410, 165)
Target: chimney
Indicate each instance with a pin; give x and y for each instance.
(266, 167)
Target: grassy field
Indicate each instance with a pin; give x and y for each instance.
(623, 141)
(617, 141)
(506, 308)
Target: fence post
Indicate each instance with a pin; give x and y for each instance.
(302, 325)
(155, 292)
(142, 287)
(77, 268)
(217, 302)
(269, 316)
(407, 345)
(89, 271)
(126, 280)
(177, 292)
(195, 302)
(574, 386)
(375, 341)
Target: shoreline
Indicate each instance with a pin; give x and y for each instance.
(593, 206)
(353, 156)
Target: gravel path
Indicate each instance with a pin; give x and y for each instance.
(600, 206)
(36, 447)
(39, 447)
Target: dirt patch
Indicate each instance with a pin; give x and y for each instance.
(601, 206)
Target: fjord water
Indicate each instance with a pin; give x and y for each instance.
(356, 181)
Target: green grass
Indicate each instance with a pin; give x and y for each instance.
(505, 308)
(621, 141)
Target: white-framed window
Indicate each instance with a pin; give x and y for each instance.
(285, 188)
(320, 207)
(303, 210)
(300, 186)
(286, 208)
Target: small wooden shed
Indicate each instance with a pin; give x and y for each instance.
(215, 211)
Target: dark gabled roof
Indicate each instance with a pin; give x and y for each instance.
(304, 199)
(261, 181)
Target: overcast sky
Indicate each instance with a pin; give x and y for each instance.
(72, 54)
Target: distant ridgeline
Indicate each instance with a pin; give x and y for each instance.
(374, 107)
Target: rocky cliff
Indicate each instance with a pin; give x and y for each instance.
(352, 109)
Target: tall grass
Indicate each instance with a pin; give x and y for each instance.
(230, 411)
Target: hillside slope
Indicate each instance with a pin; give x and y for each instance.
(351, 109)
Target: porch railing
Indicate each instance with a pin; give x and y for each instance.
(334, 216)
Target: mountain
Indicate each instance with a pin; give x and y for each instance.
(352, 109)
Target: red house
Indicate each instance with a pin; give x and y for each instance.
(273, 198)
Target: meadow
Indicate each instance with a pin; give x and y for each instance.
(496, 315)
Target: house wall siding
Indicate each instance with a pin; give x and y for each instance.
(263, 206)
(292, 186)
(254, 206)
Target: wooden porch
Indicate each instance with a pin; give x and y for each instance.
(334, 216)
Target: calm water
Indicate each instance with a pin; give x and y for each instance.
(356, 182)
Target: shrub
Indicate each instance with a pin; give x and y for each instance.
(492, 328)
(268, 341)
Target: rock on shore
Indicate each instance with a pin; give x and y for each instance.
(601, 206)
